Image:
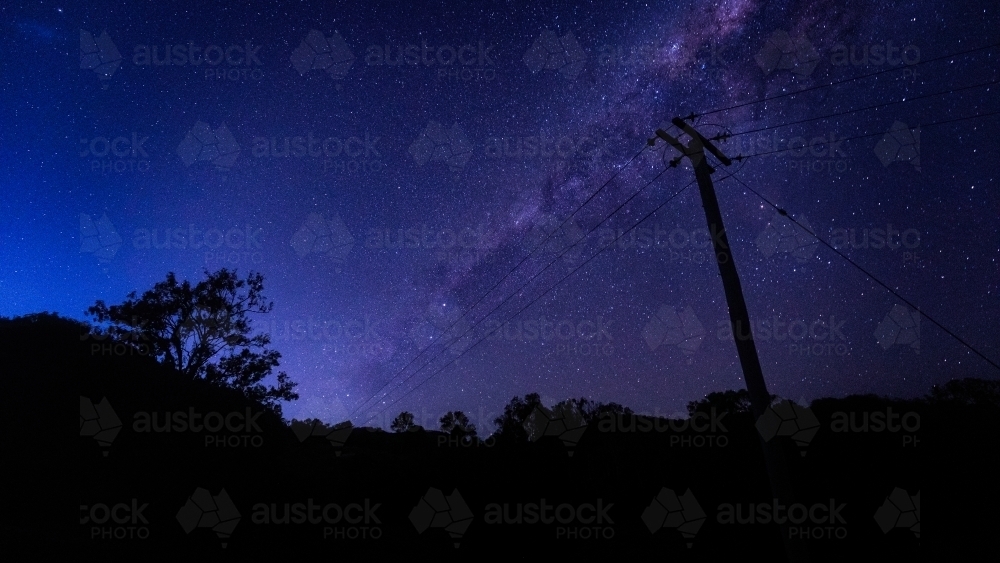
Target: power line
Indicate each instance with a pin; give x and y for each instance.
(590, 198)
(838, 82)
(781, 211)
(480, 300)
(546, 292)
(743, 157)
(726, 136)
(532, 278)
(784, 213)
(523, 260)
(737, 158)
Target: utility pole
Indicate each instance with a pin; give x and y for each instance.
(739, 318)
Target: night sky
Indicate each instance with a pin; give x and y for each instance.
(384, 165)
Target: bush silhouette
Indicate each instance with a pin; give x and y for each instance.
(203, 332)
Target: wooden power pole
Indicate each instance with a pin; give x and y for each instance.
(739, 318)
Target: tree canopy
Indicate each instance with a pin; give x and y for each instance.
(404, 423)
(457, 424)
(968, 391)
(511, 424)
(203, 331)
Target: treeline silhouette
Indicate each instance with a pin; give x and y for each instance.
(576, 452)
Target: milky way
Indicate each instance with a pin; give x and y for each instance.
(382, 200)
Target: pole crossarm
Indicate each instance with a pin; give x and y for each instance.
(695, 149)
(701, 141)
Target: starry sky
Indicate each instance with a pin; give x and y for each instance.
(385, 165)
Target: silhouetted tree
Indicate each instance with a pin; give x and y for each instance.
(592, 410)
(968, 391)
(458, 425)
(203, 332)
(403, 423)
(510, 425)
(310, 425)
(735, 402)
